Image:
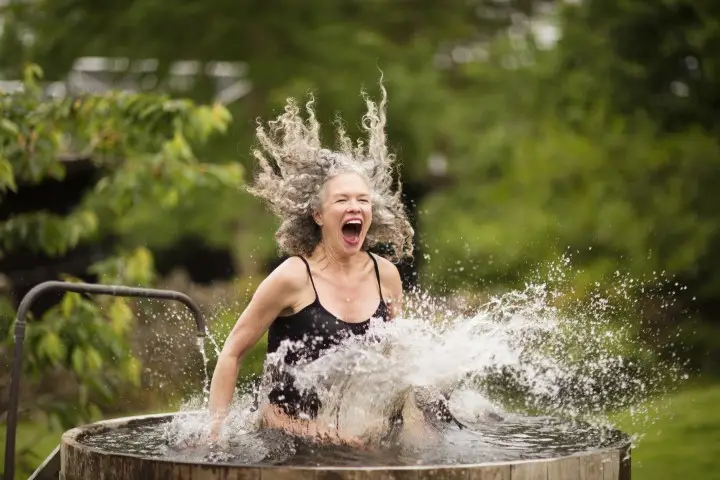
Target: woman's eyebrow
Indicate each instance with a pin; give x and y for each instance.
(338, 195)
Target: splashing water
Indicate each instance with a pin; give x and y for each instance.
(531, 373)
(518, 350)
(215, 345)
(206, 380)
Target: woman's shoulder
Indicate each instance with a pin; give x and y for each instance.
(388, 270)
(291, 273)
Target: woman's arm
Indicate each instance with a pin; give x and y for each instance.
(275, 294)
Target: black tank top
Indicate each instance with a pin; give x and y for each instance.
(318, 330)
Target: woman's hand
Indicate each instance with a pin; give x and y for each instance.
(216, 425)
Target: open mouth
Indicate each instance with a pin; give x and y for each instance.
(351, 230)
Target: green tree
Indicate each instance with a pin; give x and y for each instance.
(331, 47)
(561, 159)
(656, 58)
(656, 63)
(142, 146)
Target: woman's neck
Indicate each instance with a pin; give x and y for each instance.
(331, 260)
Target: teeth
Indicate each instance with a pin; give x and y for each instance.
(350, 222)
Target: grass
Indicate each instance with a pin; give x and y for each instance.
(681, 440)
(40, 441)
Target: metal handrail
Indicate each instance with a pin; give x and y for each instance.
(24, 308)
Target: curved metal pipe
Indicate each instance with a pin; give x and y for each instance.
(24, 308)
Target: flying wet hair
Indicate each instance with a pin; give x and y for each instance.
(294, 166)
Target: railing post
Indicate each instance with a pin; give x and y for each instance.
(24, 308)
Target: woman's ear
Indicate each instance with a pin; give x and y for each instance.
(318, 218)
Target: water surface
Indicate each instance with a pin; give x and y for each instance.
(512, 438)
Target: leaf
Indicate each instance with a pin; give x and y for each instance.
(171, 198)
(7, 177)
(69, 302)
(132, 370)
(52, 347)
(93, 360)
(32, 73)
(221, 114)
(9, 126)
(100, 387)
(178, 148)
(120, 316)
(78, 361)
(89, 221)
(149, 110)
(139, 267)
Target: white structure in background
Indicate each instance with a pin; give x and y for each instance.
(96, 74)
(542, 26)
(100, 74)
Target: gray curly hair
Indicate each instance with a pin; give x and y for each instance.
(293, 167)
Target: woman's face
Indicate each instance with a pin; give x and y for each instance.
(345, 212)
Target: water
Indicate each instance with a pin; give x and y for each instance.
(511, 438)
(206, 378)
(530, 374)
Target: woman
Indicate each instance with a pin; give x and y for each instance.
(333, 206)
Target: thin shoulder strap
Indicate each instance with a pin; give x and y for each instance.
(377, 274)
(307, 265)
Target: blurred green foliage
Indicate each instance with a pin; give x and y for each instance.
(142, 146)
(602, 146)
(581, 148)
(97, 355)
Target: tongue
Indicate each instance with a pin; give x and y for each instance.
(351, 236)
